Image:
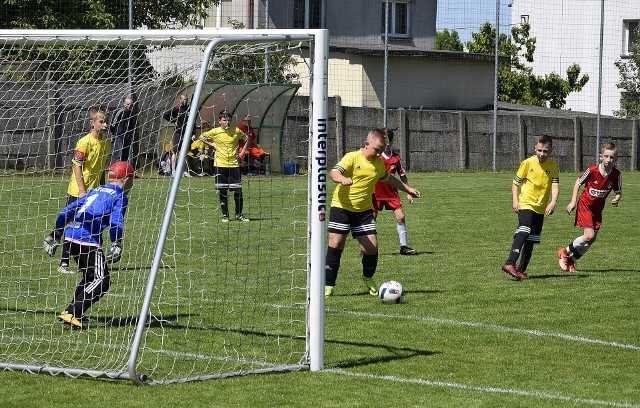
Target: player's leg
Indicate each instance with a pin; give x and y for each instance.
(590, 222)
(65, 258)
(96, 279)
(222, 185)
(534, 237)
(94, 283)
(401, 227)
(363, 227)
(175, 151)
(235, 183)
(338, 230)
(525, 218)
(579, 247)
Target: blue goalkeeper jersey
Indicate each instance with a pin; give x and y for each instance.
(87, 217)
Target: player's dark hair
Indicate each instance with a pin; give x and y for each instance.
(224, 114)
(544, 139)
(389, 134)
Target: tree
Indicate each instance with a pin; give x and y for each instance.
(516, 81)
(235, 65)
(71, 62)
(102, 14)
(630, 82)
(448, 41)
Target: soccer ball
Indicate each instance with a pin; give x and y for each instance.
(391, 292)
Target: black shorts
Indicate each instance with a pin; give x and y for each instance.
(228, 178)
(530, 222)
(342, 221)
(176, 143)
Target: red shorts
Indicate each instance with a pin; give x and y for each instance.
(390, 204)
(585, 218)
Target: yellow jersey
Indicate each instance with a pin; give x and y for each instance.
(535, 180)
(364, 173)
(92, 156)
(226, 143)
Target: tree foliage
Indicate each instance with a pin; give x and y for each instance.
(516, 81)
(630, 82)
(448, 41)
(102, 14)
(236, 66)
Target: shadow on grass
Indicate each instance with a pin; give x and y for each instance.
(384, 353)
(412, 256)
(128, 268)
(613, 270)
(577, 275)
(407, 292)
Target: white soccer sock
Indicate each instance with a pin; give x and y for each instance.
(402, 233)
(580, 246)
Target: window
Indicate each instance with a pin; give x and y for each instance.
(399, 18)
(632, 33)
(312, 8)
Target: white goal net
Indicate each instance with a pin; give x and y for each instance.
(193, 297)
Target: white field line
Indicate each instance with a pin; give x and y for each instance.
(496, 327)
(496, 390)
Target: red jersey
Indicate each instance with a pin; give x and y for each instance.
(383, 191)
(597, 187)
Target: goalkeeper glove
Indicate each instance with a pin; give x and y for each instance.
(115, 252)
(50, 244)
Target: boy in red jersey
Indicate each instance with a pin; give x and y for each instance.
(253, 150)
(385, 196)
(598, 181)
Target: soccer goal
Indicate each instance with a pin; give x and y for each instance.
(193, 297)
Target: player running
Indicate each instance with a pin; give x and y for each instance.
(387, 197)
(598, 181)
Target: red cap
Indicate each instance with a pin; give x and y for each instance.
(122, 169)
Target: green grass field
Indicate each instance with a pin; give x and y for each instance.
(466, 334)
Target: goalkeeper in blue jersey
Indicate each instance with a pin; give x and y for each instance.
(85, 219)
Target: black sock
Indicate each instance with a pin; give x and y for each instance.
(237, 199)
(369, 264)
(525, 256)
(333, 264)
(224, 202)
(518, 241)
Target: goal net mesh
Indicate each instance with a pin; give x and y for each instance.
(230, 297)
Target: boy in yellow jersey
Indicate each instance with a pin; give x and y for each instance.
(225, 140)
(351, 207)
(89, 165)
(538, 178)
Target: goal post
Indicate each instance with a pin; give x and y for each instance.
(193, 297)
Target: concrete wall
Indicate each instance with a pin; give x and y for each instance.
(38, 130)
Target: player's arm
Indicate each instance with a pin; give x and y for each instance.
(618, 191)
(616, 199)
(116, 230)
(574, 197)
(405, 180)
(554, 199)
(399, 185)
(344, 166)
(246, 144)
(77, 171)
(515, 203)
(169, 115)
(52, 241)
(337, 177)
